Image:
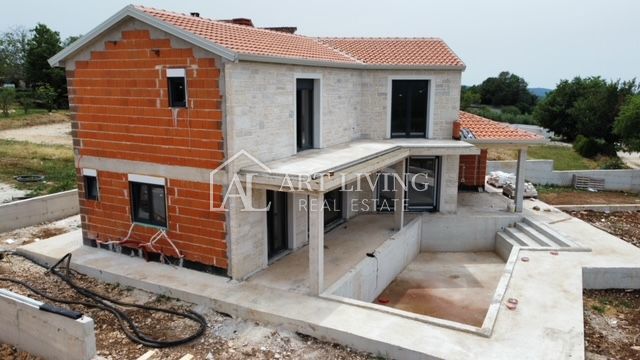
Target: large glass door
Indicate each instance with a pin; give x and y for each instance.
(277, 227)
(422, 183)
(409, 108)
(332, 208)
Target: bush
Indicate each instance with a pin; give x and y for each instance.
(484, 111)
(511, 110)
(613, 163)
(590, 148)
(7, 96)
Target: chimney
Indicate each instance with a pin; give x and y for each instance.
(239, 21)
(284, 29)
(195, 14)
(456, 130)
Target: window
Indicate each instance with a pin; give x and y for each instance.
(409, 108)
(422, 183)
(90, 184)
(177, 81)
(332, 208)
(304, 113)
(148, 204)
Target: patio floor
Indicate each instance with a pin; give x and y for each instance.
(456, 286)
(344, 247)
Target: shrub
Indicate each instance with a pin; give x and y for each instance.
(613, 163)
(511, 110)
(590, 148)
(7, 96)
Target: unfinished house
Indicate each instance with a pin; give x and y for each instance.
(172, 111)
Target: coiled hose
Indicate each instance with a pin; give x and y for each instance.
(104, 303)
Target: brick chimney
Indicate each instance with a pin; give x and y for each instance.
(456, 130)
(239, 21)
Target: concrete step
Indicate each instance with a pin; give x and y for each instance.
(504, 245)
(523, 238)
(558, 238)
(541, 239)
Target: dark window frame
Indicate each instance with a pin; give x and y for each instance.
(180, 102)
(401, 115)
(305, 132)
(91, 181)
(135, 188)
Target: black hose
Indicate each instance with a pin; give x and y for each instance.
(104, 303)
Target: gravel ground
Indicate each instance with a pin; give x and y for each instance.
(225, 337)
(623, 224)
(58, 134)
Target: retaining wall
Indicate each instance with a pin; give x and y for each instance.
(442, 233)
(22, 213)
(372, 275)
(541, 172)
(48, 335)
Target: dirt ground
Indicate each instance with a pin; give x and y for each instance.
(225, 337)
(623, 224)
(10, 240)
(612, 324)
(57, 133)
(568, 196)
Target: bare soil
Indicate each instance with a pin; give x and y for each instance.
(612, 324)
(568, 196)
(623, 224)
(225, 337)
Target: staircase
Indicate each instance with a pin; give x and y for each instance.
(532, 235)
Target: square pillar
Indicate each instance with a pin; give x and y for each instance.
(520, 173)
(398, 211)
(316, 243)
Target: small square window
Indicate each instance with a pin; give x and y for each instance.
(148, 204)
(177, 83)
(90, 187)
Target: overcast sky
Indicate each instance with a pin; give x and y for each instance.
(542, 40)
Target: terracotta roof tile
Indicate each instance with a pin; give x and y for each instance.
(262, 42)
(475, 127)
(397, 51)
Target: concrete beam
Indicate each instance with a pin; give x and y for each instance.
(316, 243)
(522, 161)
(398, 215)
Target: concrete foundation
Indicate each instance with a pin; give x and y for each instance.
(44, 334)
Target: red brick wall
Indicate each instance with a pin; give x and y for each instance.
(120, 110)
(196, 231)
(473, 169)
(120, 101)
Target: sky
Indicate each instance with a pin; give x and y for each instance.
(543, 41)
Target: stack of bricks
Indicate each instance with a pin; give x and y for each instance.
(120, 110)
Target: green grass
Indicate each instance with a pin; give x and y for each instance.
(564, 157)
(19, 119)
(55, 162)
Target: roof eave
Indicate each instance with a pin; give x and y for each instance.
(132, 11)
(506, 142)
(345, 65)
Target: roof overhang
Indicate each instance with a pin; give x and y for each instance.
(131, 11)
(488, 143)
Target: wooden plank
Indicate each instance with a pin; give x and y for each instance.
(148, 355)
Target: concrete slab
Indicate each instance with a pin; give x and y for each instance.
(547, 323)
(344, 247)
(452, 286)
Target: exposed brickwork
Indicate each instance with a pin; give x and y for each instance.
(120, 110)
(120, 103)
(197, 232)
(473, 169)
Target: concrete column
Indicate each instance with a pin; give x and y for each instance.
(399, 205)
(522, 161)
(316, 243)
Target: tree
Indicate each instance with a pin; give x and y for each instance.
(469, 96)
(13, 51)
(627, 124)
(507, 89)
(69, 40)
(7, 96)
(44, 44)
(25, 99)
(47, 96)
(586, 107)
